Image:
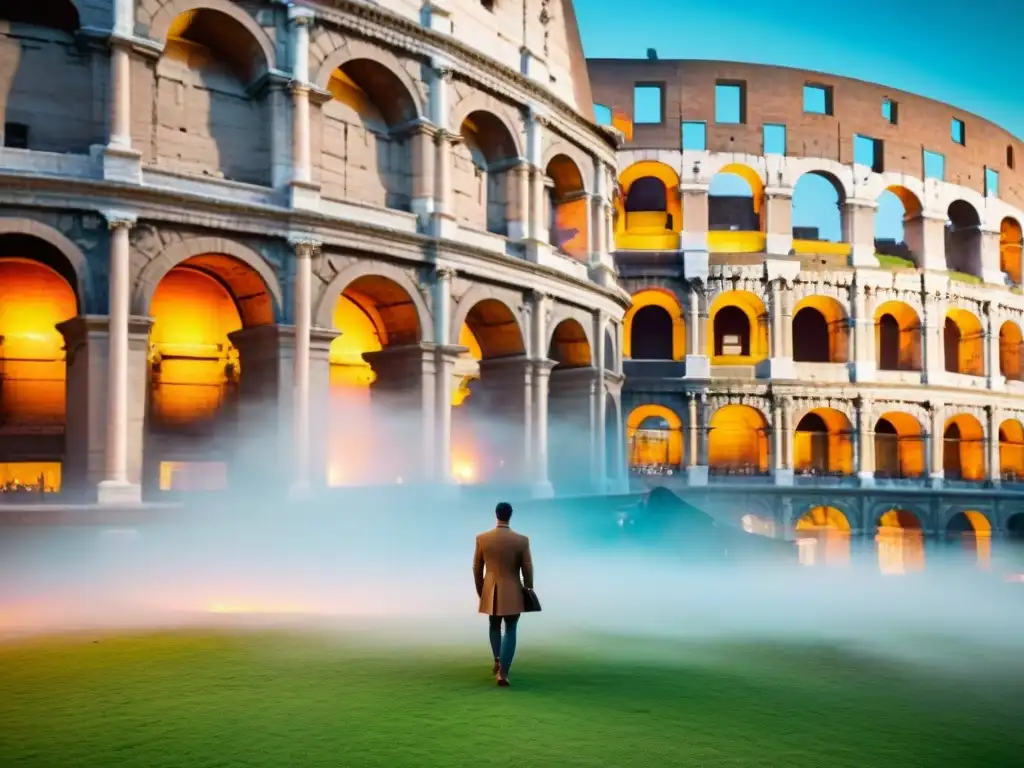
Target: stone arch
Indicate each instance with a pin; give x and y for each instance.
(820, 330)
(568, 205)
(898, 343)
(976, 520)
(738, 440)
(733, 228)
(583, 164)
(899, 445)
(154, 271)
(822, 441)
(478, 101)
(963, 454)
(824, 179)
(963, 343)
(1011, 450)
(738, 328)
(354, 50)
(478, 295)
(323, 310)
(664, 300)
(906, 193)
(565, 313)
(666, 448)
(963, 237)
(160, 26)
(1011, 240)
(648, 207)
(1011, 346)
(70, 251)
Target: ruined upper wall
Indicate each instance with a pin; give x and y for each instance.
(774, 95)
(537, 37)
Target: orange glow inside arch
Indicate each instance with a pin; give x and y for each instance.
(1011, 450)
(194, 359)
(33, 299)
(900, 542)
(975, 534)
(657, 230)
(738, 440)
(823, 537)
(648, 446)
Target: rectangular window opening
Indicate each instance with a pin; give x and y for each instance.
(934, 166)
(602, 114)
(16, 135)
(648, 103)
(891, 111)
(818, 99)
(958, 132)
(991, 182)
(731, 102)
(870, 152)
(695, 136)
(774, 139)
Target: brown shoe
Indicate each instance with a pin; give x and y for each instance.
(503, 682)
(496, 668)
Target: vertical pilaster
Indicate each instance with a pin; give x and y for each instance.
(864, 365)
(303, 303)
(698, 364)
(996, 380)
(538, 438)
(991, 268)
(699, 418)
(925, 235)
(440, 85)
(782, 417)
(599, 426)
(778, 221)
(115, 488)
(935, 463)
(692, 448)
(120, 161)
(442, 448)
(865, 443)
(423, 175)
(304, 194)
(994, 473)
(934, 317)
(780, 364)
(859, 231)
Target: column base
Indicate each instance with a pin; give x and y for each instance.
(936, 480)
(537, 251)
(997, 382)
(776, 368)
(783, 477)
(696, 261)
(863, 256)
(863, 372)
(444, 226)
(122, 164)
(867, 479)
(697, 475)
(118, 493)
(304, 195)
(778, 245)
(698, 367)
(993, 276)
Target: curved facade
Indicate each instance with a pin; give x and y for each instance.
(837, 379)
(305, 244)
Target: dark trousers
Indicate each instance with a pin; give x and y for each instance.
(504, 648)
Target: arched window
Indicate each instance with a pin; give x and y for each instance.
(951, 345)
(648, 195)
(889, 343)
(732, 332)
(810, 337)
(811, 444)
(651, 337)
(951, 452)
(887, 449)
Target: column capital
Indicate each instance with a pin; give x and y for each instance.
(445, 69)
(444, 274)
(118, 219)
(305, 247)
(858, 202)
(301, 16)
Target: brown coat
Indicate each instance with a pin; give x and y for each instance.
(501, 554)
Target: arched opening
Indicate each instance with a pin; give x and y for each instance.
(963, 449)
(899, 228)
(823, 537)
(210, 121)
(373, 394)
(488, 426)
(568, 204)
(897, 337)
(45, 114)
(365, 151)
(482, 175)
(736, 211)
(900, 541)
(654, 436)
(1011, 451)
(974, 533)
(196, 358)
(963, 239)
(899, 447)
(569, 408)
(738, 441)
(648, 208)
(823, 444)
(963, 343)
(818, 200)
(739, 328)
(36, 294)
(653, 328)
(1010, 341)
(1011, 239)
(820, 331)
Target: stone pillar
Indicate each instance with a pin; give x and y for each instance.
(783, 444)
(935, 464)
(423, 137)
(538, 444)
(444, 368)
(698, 417)
(86, 341)
(996, 380)
(519, 197)
(599, 459)
(778, 224)
(925, 235)
(698, 364)
(538, 224)
(932, 328)
(444, 213)
(864, 363)
(865, 443)
(506, 396)
(991, 268)
(693, 240)
(777, 437)
(859, 231)
(780, 364)
(120, 161)
(992, 459)
(116, 488)
(303, 304)
(692, 449)
(304, 194)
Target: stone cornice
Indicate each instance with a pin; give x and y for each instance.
(397, 31)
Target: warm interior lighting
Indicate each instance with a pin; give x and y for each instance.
(193, 476)
(900, 541)
(33, 299)
(654, 436)
(823, 535)
(738, 440)
(23, 476)
(739, 329)
(649, 212)
(194, 362)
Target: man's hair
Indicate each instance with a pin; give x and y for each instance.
(503, 511)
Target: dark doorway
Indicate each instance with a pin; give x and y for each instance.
(810, 337)
(651, 335)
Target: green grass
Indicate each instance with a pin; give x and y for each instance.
(263, 699)
(894, 262)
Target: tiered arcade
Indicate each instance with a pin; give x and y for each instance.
(811, 382)
(303, 244)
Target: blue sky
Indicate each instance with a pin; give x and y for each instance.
(961, 53)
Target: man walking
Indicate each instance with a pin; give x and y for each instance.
(501, 555)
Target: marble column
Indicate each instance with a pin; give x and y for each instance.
(304, 252)
(120, 161)
(440, 87)
(859, 231)
(115, 488)
(304, 194)
(992, 460)
(865, 443)
(441, 469)
(541, 309)
(598, 438)
(996, 380)
(935, 463)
